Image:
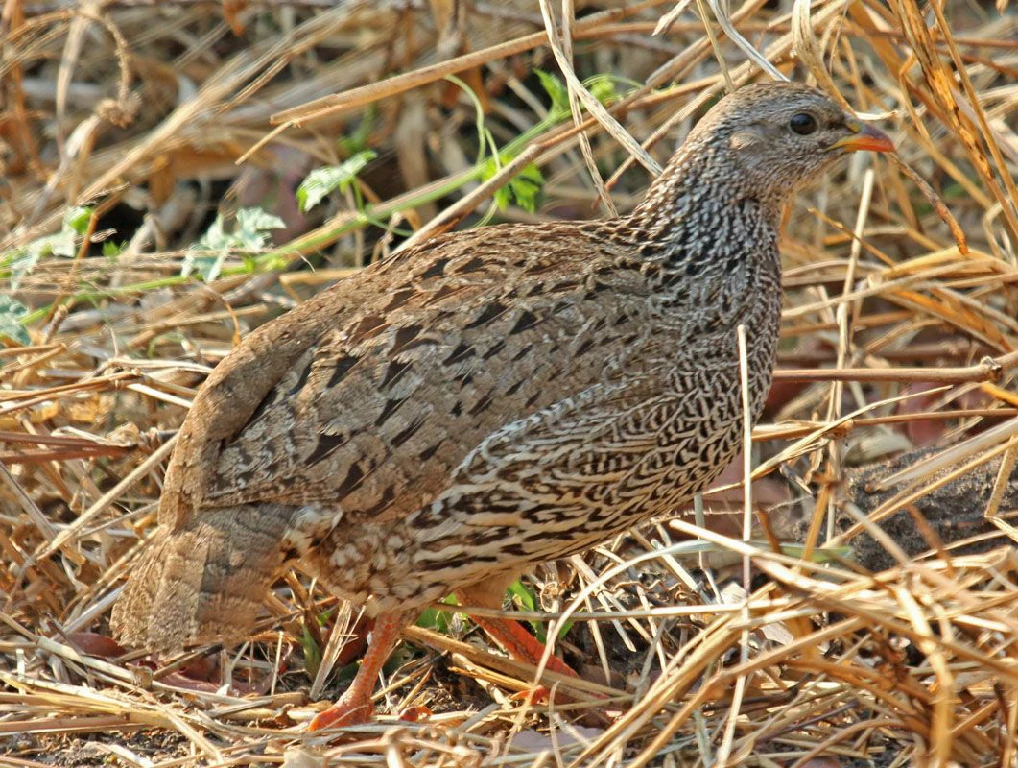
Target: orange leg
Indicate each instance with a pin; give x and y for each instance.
(354, 707)
(520, 644)
(511, 635)
(523, 646)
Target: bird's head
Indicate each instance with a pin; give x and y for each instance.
(778, 137)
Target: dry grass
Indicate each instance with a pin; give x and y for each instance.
(895, 335)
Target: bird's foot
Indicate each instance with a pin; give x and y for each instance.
(355, 707)
(342, 714)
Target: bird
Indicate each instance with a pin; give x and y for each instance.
(489, 399)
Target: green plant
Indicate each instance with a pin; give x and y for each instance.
(250, 234)
(65, 242)
(437, 619)
(525, 599)
(327, 179)
(12, 320)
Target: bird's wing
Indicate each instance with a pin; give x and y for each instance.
(368, 397)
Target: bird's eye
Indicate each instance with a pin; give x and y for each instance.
(803, 123)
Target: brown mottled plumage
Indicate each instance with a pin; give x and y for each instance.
(490, 399)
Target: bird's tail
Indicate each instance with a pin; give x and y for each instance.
(204, 581)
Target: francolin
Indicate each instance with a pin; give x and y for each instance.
(490, 399)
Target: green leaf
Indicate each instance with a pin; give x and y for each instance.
(602, 88)
(312, 653)
(62, 243)
(526, 187)
(502, 197)
(435, 619)
(11, 327)
(112, 249)
(565, 630)
(23, 262)
(357, 142)
(525, 599)
(253, 226)
(206, 257)
(251, 233)
(556, 90)
(326, 180)
(523, 596)
(206, 264)
(76, 218)
(522, 189)
(215, 236)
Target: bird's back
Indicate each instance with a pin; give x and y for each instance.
(419, 359)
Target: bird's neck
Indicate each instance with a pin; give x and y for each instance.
(701, 176)
(714, 243)
(703, 216)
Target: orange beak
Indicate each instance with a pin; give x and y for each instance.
(865, 138)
